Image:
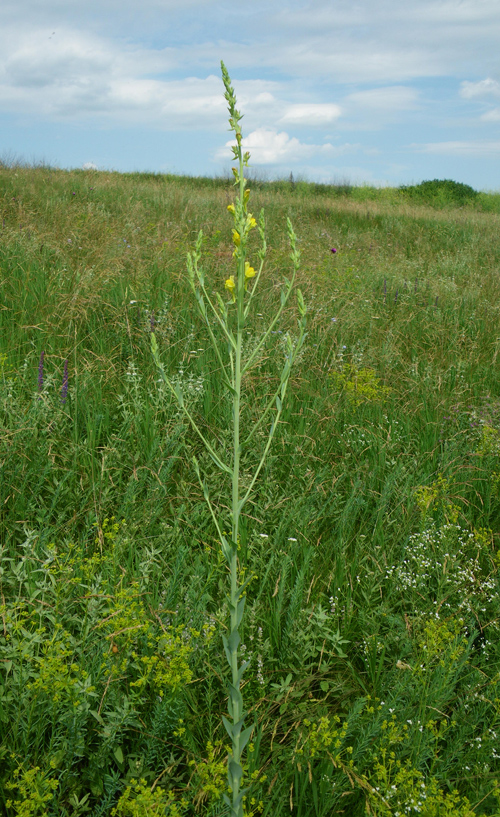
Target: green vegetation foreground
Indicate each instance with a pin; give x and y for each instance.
(372, 628)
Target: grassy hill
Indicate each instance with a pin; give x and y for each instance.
(373, 624)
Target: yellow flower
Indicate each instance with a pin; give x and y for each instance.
(231, 286)
(249, 273)
(230, 208)
(236, 238)
(251, 223)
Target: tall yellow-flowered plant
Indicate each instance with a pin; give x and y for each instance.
(231, 317)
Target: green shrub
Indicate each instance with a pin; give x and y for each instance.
(440, 193)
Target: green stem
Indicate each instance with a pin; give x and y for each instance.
(237, 713)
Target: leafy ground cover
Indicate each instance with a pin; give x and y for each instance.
(372, 627)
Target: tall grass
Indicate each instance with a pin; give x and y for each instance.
(372, 630)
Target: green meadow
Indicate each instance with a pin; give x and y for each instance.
(371, 537)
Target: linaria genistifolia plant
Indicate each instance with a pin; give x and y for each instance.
(231, 317)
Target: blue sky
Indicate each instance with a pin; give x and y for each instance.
(377, 92)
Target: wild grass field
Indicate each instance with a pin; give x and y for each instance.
(372, 623)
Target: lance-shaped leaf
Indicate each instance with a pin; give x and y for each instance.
(234, 641)
(235, 697)
(226, 548)
(233, 729)
(245, 737)
(245, 584)
(201, 303)
(242, 669)
(240, 609)
(237, 609)
(227, 651)
(179, 395)
(235, 771)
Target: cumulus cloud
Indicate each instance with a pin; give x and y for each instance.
(80, 75)
(267, 146)
(483, 88)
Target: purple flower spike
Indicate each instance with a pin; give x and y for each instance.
(64, 390)
(333, 250)
(40, 372)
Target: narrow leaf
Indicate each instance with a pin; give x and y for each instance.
(245, 737)
(235, 696)
(241, 609)
(227, 650)
(226, 548)
(233, 730)
(242, 669)
(235, 770)
(245, 584)
(233, 641)
(228, 726)
(178, 394)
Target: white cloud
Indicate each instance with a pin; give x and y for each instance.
(79, 75)
(392, 98)
(268, 146)
(296, 65)
(485, 87)
(491, 116)
(311, 114)
(464, 148)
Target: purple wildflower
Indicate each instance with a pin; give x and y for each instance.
(40, 372)
(64, 389)
(333, 250)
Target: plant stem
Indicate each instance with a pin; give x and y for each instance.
(237, 703)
